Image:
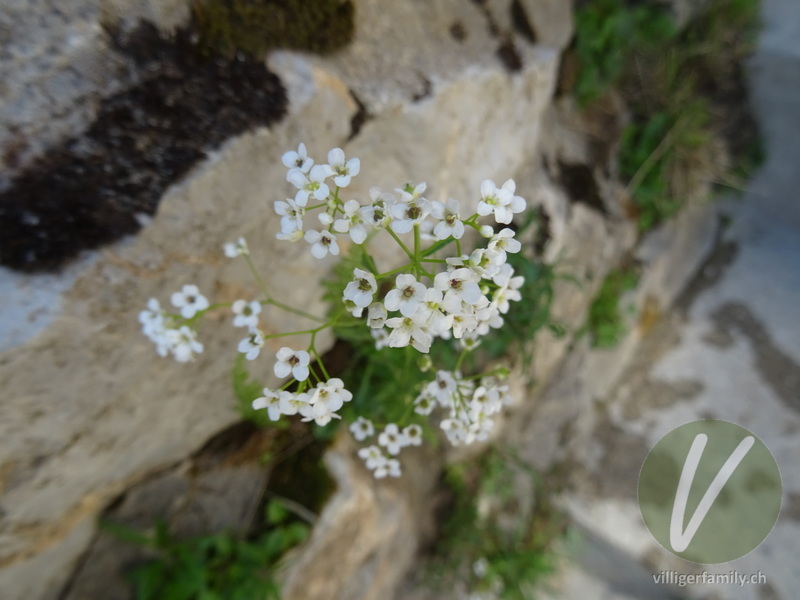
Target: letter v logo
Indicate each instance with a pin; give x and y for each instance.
(678, 539)
(709, 491)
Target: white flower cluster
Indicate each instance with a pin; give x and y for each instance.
(463, 302)
(471, 407)
(384, 210)
(318, 404)
(165, 329)
(391, 440)
(461, 296)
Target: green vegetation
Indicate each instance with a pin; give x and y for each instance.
(684, 88)
(257, 26)
(214, 567)
(606, 324)
(607, 34)
(499, 532)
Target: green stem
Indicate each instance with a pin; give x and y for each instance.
(402, 245)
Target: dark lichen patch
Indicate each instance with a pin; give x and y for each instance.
(458, 32)
(509, 55)
(91, 190)
(359, 118)
(426, 90)
(257, 26)
(581, 185)
(521, 22)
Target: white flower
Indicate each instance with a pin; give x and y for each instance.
(152, 319)
(458, 285)
(450, 223)
(232, 250)
(518, 203)
(424, 403)
(381, 337)
(508, 289)
(455, 430)
(291, 404)
(494, 200)
(389, 468)
(321, 243)
(362, 429)
(324, 401)
(352, 222)
(430, 313)
(502, 202)
(291, 215)
(406, 295)
(310, 184)
(443, 388)
(342, 171)
(405, 331)
(407, 214)
(272, 402)
(294, 362)
(246, 313)
(503, 242)
(190, 301)
(372, 456)
(392, 439)
(361, 289)
(378, 213)
(298, 160)
(413, 435)
(376, 315)
(251, 345)
(184, 344)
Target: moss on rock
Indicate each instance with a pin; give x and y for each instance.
(257, 26)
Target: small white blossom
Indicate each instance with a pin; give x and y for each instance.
(361, 289)
(321, 243)
(310, 184)
(450, 223)
(458, 286)
(252, 344)
(376, 315)
(392, 439)
(342, 171)
(389, 468)
(378, 212)
(362, 429)
(152, 319)
(413, 435)
(291, 214)
(381, 337)
(406, 295)
(373, 456)
(424, 403)
(271, 400)
(239, 248)
(246, 313)
(405, 331)
(352, 222)
(503, 242)
(190, 301)
(184, 344)
(324, 401)
(298, 160)
(292, 362)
